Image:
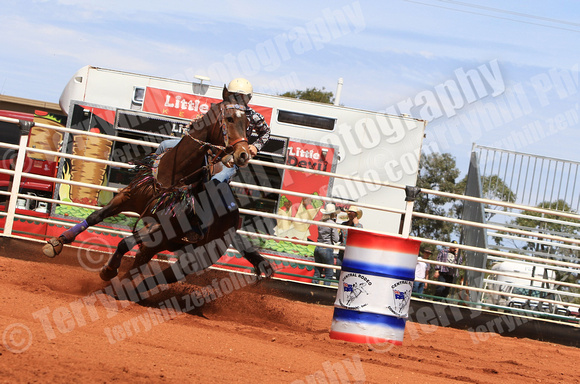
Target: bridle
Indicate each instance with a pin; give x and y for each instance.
(190, 181)
(218, 151)
(237, 107)
(228, 148)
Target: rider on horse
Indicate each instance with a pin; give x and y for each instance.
(134, 198)
(239, 90)
(213, 240)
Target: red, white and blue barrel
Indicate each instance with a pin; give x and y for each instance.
(374, 290)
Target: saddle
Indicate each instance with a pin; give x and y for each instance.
(204, 203)
(214, 205)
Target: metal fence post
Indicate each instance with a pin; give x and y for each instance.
(411, 194)
(25, 127)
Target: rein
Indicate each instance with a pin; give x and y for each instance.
(189, 182)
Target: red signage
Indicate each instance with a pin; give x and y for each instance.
(186, 106)
(304, 156)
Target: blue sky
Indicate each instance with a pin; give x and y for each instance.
(391, 54)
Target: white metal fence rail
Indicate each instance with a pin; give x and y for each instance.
(567, 289)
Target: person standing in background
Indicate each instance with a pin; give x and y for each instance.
(354, 215)
(326, 235)
(446, 274)
(421, 271)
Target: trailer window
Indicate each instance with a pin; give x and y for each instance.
(138, 95)
(306, 120)
(139, 126)
(138, 122)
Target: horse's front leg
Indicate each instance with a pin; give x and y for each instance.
(111, 268)
(145, 237)
(249, 252)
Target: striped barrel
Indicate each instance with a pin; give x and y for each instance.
(374, 291)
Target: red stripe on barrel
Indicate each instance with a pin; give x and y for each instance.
(361, 339)
(378, 241)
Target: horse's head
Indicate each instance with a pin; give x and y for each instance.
(234, 126)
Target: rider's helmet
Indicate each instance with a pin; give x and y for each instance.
(241, 86)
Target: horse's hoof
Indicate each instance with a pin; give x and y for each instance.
(52, 247)
(108, 273)
(263, 272)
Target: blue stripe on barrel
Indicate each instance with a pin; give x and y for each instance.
(341, 314)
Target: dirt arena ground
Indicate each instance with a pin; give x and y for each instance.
(58, 325)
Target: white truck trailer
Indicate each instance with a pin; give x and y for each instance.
(353, 142)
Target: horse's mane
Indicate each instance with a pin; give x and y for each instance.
(199, 126)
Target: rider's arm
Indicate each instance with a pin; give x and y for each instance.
(259, 125)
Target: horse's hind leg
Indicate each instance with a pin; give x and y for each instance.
(187, 263)
(150, 273)
(54, 245)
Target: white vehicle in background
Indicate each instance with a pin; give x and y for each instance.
(536, 298)
(519, 283)
(320, 136)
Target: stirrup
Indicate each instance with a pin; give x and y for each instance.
(52, 247)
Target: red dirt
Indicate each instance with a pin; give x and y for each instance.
(248, 336)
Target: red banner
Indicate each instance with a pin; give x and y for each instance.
(304, 156)
(186, 106)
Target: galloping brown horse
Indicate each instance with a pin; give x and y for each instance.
(200, 228)
(221, 129)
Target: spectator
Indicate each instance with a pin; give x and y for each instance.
(421, 271)
(445, 273)
(354, 214)
(326, 235)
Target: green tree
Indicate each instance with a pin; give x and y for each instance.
(312, 94)
(493, 188)
(528, 222)
(437, 172)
